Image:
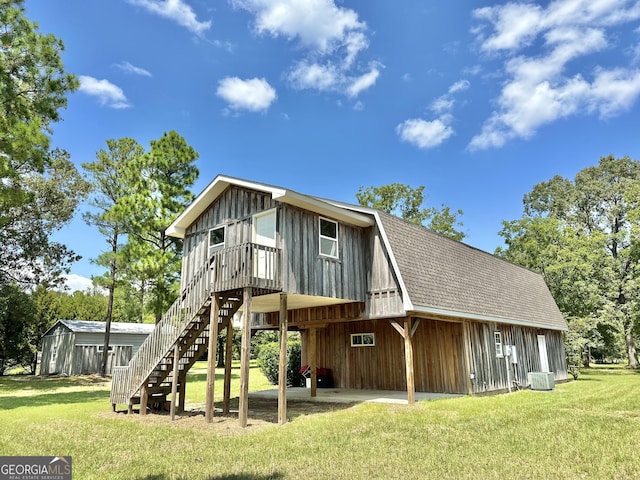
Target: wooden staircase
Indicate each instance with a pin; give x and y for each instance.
(192, 343)
(186, 324)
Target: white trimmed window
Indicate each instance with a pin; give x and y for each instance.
(216, 237)
(497, 338)
(328, 238)
(363, 339)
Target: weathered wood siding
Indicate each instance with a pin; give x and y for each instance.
(384, 298)
(309, 273)
(319, 316)
(304, 271)
(77, 352)
(131, 339)
(87, 359)
(234, 209)
(57, 351)
(438, 356)
(490, 371)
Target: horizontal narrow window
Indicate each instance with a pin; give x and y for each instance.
(363, 339)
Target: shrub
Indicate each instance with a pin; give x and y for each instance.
(268, 361)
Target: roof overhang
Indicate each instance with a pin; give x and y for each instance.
(418, 310)
(221, 183)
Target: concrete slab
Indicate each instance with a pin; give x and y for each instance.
(347, 395)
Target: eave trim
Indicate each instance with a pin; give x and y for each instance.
(483, 318)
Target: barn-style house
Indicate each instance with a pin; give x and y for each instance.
(380, 303)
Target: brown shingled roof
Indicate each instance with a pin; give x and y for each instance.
(443, 274)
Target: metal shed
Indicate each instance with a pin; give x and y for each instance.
(74, 347)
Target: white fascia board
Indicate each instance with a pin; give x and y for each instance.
(221, 182)
(323, 208)
(207, 196)
(406, 301)
(482, 318)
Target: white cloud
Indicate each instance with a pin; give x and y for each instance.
(313, 75)
(424, 134)
(254, 94)
(176, 10)
(613, 91)
(541, 89)
(129, 68)
(363, 82)
(318, 24)
(75, 282)
(431, 133)
(442, 104)
(459, 86)
(109, 94)
(331, 36)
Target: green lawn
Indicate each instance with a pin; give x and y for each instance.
(583, 429)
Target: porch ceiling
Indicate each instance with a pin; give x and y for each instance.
(271, 302)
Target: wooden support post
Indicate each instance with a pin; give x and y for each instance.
(144, 397)
(245, 356)
(466, 345)
(282, 371)
(408, 357)
(182, 390)
(312, 361)
(228, 358)
(130, 408)
(174, 380)
(214, 311)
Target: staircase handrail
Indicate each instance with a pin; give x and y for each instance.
(167, 330)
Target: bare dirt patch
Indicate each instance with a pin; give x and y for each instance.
(262, 413)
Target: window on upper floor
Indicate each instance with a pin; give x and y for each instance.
(328, 238)
(216, 237)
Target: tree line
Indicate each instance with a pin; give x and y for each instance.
(581, 234)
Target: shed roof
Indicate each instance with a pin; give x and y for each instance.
(85, 326)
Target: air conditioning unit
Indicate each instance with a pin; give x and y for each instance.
(541, 380)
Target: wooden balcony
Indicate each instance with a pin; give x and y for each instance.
(246, 265)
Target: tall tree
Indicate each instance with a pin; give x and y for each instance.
(28, 256)
(39, 189)
(580, 234)
(108, 177)
(33, 88)
(17, 313)
(406, 202)
(161, 181)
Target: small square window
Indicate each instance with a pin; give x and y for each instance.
(363, 340)
(328, 238)
(216, 237)
(497, 338)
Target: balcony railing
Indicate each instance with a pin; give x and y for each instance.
(246, 265)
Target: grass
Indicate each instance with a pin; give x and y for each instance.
(583, 429)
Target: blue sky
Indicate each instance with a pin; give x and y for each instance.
(477, 101)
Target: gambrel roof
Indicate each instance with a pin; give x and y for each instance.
(437, 275)
(443, 276)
